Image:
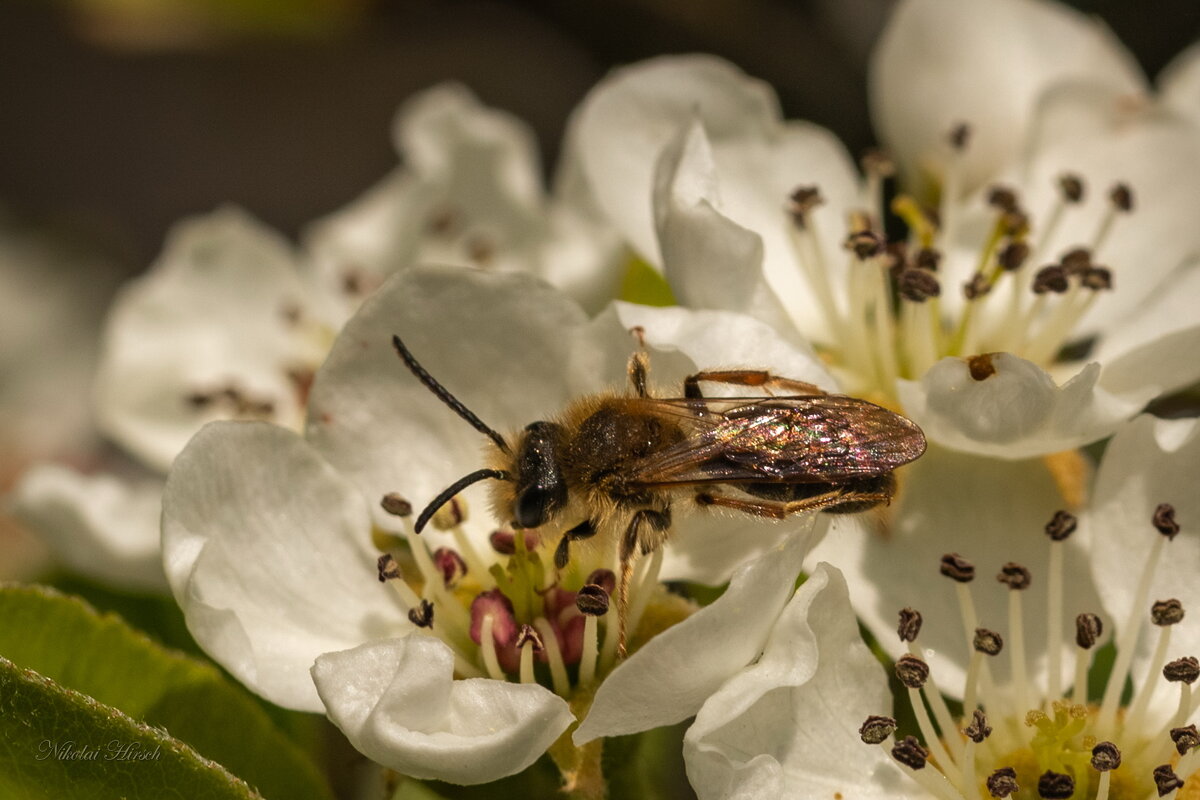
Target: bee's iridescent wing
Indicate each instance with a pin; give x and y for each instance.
(800, 439)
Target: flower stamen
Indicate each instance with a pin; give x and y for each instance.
(1131, 630)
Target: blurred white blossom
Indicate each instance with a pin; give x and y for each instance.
(232, 320)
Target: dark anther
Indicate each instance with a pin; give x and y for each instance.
(422, 615)
(957, 568)
(1013, 256)
(876, 729)
(388, 568)
(1166, 612)
(910, 624)
(1014, 576)
(450, 563)
(981, 367)
(1098, 279)
(877, 162)
(442, 221)
(606, 579)
(978, 730)
(1002, 198)
(592, 600)
(960, 136)
(928, 258)
(1164, 520)
(1185, 738)
(481, 249)
(909, 752)
(1106, 757)
(396, 505)
(1186, 670)
(803, 200)
(1002, 782)
(912, 671)
(1061, 525)
(1165, 780)
(1088, 629)
(988, 642)
(918, 285)
(1076, 261)
(1050, 279)
(529, 635)
(1055, 786)
(977, 287)
(1072, 187)
(864, 244)
(198, 399)
(1122, 197)
(1014, 223)
(896, 258)
(504, 542)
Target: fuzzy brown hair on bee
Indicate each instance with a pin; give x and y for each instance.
(621, 466)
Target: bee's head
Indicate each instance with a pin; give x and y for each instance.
(538, 489)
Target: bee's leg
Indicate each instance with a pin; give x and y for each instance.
(562, 553)
(639, 364)
(828, 501)
(746, 377)
(635, 542)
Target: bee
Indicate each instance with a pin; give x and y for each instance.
(623, 465)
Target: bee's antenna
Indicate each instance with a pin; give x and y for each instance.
(447, 398)
(446, 494)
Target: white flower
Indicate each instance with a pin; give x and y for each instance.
(469, 193)
(746, 211)
(789, 725)
(270, 538)
(232, 320)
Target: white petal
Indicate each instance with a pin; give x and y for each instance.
(1179, 82)
(1154, 346)
(626, 120)
(790, 721)
(709, 260)
(398, 704)
(98, 525)
(212, 314)
(377, 233)
(440, 127)
(1149, 461)
(757, 176)
(985, 63)
(1017, 411)
(267, 550)
(500, 342)
(988, 510)
(669, 678)
(1105, 137)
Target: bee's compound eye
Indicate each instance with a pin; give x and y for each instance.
(532, 505)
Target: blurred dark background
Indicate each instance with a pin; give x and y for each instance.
(119, 117)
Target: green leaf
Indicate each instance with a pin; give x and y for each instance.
(56, 744)
(99, 655)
